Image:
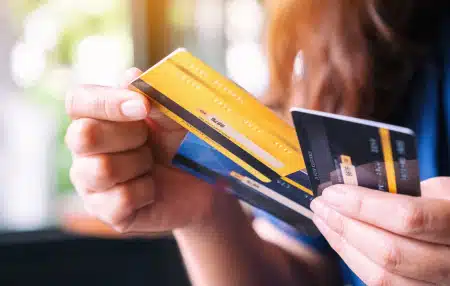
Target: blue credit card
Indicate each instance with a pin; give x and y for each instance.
(278, 198)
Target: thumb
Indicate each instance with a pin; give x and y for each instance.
(166, 133)
(108, 103)
(157, 121)
(130, 75)
(437, 188)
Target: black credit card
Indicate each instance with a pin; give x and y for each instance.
(345, 150)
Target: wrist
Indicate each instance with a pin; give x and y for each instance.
(224, 212)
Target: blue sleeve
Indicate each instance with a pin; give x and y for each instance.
(445, 47)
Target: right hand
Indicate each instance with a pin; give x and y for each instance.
(122, 150)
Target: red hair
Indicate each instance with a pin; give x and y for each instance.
(351, 50)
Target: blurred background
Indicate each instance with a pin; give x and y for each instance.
(47, 46)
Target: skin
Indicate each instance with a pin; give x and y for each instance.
(122, 150)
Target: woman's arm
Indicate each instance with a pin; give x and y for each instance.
(225, 250)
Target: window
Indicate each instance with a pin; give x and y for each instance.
(51, 45)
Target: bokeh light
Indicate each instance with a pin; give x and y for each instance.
(42, 28)
(28, 63)
(101, 60)
(247, 66)
(97, 7)
(245, 59)
(245, 20)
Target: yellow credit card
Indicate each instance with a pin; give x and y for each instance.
(222, 114)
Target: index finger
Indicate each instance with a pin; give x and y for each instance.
(415, 217)
(106, 103)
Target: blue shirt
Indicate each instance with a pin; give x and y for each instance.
(427, 112)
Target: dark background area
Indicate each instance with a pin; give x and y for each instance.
(54, 258)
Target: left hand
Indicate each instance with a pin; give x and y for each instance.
(389, 239)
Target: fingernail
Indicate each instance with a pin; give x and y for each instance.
(135, 109)
(335, 196)
(319, 208)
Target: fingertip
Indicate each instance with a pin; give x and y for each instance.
(435, 188)
(130, 75)
(133, 72)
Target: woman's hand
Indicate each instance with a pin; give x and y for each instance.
(389, 239)
(121, 162)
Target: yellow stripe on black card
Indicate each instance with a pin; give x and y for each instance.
(388, 159)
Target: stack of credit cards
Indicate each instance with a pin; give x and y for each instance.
(239, 145)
